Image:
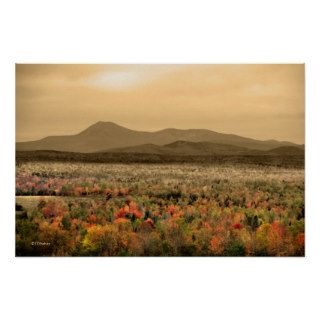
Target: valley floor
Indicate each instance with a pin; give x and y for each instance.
(279, 160)
(105, 209)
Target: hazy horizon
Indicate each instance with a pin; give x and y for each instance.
(263, 101)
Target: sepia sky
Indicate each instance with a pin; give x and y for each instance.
(258, 101)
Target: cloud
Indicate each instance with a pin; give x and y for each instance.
(260, 101)
(122, 77)
(116, 80)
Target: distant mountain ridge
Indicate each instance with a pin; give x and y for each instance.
(204, 148)
(184, 147)
(105, 136)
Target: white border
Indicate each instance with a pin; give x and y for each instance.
(159, 32)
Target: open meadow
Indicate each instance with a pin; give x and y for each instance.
(106, 209)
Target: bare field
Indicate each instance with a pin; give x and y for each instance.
(192, 173)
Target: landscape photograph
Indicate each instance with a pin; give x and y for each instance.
(162, 160)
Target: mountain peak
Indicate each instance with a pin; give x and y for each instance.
(104, 124)
(102, 127)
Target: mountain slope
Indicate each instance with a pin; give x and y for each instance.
(206, 148)
(148, 148)
(287, 150)
(187, 148)
(107, 135)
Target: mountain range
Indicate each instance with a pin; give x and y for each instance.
(110, 137)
